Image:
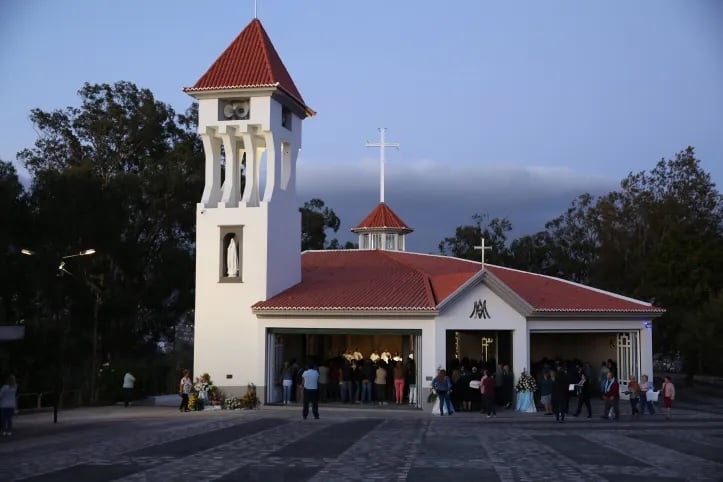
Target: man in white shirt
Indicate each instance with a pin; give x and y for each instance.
(311, 391)
(128, 382)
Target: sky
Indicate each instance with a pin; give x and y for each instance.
(504, 108)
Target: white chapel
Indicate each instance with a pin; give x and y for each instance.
(260, 301)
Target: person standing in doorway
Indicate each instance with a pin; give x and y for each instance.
(399, 383)
(634, 395)
(668, 391)
(128, 383)
(442, 385)
(8, 405)
(310, 381)
(380, 383)
(287, 383)
(584, 392)
(611, 395)
(508, 385)
(412, 380)
(499, 393)
(604, 370)
(645, 388)
(487, 389)
(560, 395)
(323, 382)
(546, 386)
(184, 389)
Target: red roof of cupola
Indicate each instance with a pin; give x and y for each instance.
(251, 61)
(382, 217)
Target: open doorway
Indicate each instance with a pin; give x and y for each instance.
(587, 351)
(339, 350)
(484, 349)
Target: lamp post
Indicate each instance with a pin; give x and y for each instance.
(57, 389)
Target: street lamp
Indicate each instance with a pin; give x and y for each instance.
(61, 271)
(82, 253)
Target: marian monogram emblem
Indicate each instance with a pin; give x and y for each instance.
(480, 310)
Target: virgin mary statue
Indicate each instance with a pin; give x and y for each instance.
(232, 259)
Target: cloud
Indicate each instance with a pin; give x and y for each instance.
(435, 197)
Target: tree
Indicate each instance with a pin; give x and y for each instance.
(15, 220)
(122, 174)
(532, 253)
(316, 219)
(466, 237)
(659, 237)
(662, 239)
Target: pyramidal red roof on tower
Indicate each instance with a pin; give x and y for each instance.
(382, 217)
(250, 61)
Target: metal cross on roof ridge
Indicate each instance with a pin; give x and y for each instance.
(483, 248)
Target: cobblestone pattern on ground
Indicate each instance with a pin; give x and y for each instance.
(368, 445)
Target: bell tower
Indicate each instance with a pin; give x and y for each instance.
(248, 225)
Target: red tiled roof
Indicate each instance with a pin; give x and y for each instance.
(382, 217)
(361, 280)
(371, 280)
(250, 61)
(545, 293)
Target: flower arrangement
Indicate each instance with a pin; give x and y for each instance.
(250, 400)
(232, 403)
(204, 388)
(526, 383)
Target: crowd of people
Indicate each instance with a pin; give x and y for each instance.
(559, 381)
(479, 386)
(351, 378)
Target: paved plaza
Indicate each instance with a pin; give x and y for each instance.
(274, 444)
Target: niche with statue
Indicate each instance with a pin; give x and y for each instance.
(231, 255)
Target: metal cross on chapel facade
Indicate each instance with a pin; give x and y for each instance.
(483, 248)
(381, 145)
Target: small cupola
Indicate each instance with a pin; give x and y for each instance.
(382, 229)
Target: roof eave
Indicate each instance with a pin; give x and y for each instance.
(547, 314)
(360, 229)
(230, 91)
(352, 312)
(253, 90)
(298, 101)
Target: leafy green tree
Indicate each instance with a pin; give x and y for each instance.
(466, 237)
(15, 219)
(532, 253)
(700, 340)
(662, 238)
(316, 219)
(122, 174)
(658, 237)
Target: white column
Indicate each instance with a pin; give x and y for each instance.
(289, 157)
(520, 351)
(273, 166)
(231, 194)
(212, 186)
(251, 189)
(646, 350)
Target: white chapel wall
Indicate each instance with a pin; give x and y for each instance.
(456, 316)
(225, 327)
